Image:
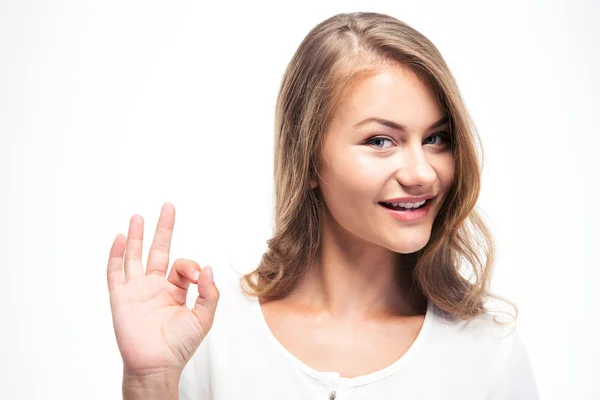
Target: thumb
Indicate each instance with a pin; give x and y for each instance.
(208, 297)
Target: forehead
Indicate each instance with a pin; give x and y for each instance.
(393, 92)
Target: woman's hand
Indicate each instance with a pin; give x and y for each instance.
(156, 333)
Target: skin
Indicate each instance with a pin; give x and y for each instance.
(350, 312)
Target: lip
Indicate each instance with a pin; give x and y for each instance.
(408, 199)
(409, 215)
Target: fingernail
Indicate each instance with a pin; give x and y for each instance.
(209, 274)
(195, 275)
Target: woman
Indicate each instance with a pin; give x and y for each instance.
(363, 291)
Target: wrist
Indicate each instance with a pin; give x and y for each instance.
(160, 384)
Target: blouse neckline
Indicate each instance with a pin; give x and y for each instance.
(331, 377)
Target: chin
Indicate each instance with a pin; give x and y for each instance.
(409, 246)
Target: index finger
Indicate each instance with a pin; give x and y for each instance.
(158, 256)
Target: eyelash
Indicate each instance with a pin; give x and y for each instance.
(444, 136)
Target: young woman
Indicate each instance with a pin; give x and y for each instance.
(375, 283)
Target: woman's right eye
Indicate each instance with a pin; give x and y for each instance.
(378, 140)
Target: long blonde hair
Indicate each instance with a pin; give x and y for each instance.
(331, 57)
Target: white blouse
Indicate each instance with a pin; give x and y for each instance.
(241, 359)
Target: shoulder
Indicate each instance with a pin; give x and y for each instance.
(490, 345)
(489, 334)
(485, 326)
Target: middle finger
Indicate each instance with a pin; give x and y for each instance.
(158, 257)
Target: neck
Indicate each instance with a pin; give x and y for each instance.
(354, 278)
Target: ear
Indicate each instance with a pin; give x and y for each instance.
(313, 183)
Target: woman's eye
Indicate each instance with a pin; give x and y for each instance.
(378, 141)
(443, 138)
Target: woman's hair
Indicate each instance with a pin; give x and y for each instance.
(336, 53)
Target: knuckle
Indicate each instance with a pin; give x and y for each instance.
(179, 261)
(184, 263)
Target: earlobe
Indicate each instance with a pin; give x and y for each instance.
(313, 183)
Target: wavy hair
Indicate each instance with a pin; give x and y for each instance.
(454, 268)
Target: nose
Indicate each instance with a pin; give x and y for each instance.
(415, 168)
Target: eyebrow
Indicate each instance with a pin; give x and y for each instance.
(397, 126)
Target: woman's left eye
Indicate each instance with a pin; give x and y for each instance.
(443, 138)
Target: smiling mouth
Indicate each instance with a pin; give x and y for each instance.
(398, 207)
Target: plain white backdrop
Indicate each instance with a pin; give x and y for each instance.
(111, 108)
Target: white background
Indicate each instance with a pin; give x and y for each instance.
(110, 108)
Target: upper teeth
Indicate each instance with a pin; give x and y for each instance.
(408, 205)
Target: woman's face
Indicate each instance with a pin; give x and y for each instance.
(389, 139)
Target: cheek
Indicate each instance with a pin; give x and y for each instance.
(444, 167)
(352, 175)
